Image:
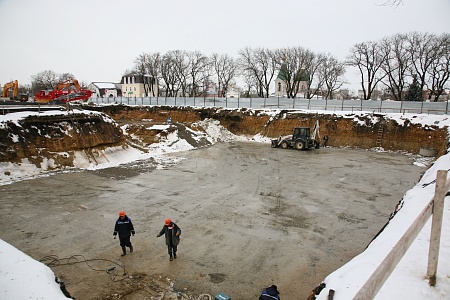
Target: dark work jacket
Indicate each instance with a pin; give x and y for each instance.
(123, 227)
(175, 239)
(269, 294)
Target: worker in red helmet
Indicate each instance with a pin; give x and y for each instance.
(124, 227)
(172, 233)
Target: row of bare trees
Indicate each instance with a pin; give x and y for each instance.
(395, 61)
(187, 73)
(390, 64)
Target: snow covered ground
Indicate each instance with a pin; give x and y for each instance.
(21, 277)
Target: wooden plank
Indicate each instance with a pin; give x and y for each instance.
(384, 270)
(436, 227)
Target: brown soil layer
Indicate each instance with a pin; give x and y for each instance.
(356, 131)
(57, 137)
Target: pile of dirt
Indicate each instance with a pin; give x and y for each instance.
(144, 286)
(57, 137)
(143, 133)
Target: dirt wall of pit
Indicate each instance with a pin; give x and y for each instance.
(38, 137)
(353, 131)
(56, 137)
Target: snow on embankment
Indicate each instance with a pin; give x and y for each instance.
(22, 277)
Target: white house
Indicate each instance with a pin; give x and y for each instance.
(104, 89)
(135, 85)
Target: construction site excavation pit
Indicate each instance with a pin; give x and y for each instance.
(251, 216)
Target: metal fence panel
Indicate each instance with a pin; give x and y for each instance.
(386, 106)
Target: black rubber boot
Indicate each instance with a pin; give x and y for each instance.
(131, 248)
(175, 255)
(124, 251)
(171, 258)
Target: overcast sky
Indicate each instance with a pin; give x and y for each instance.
(98, 40)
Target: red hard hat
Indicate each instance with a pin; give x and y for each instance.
(122, 214)
(168, 221)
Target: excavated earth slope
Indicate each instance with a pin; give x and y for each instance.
(57, 137)
(354, 131)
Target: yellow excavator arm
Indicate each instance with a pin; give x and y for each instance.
(68, 83)
(11, 85)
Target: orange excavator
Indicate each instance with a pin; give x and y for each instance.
(65, 91)
(14, 85)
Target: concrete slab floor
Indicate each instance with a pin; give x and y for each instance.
(250, 215)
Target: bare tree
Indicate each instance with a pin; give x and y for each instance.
(251, 83)
(396, 63)
(199, 71)
(148, 65)
(424, 50)
(45, 80)
(128, 71)
(65, 76)
(181, 69)
(316, 80)
(260, 64)
(439, 70)
(48, 80)
(368, 58)
(225, 68)
(331, 70)
(168, 74)
(295, 63)
(249, 69)
(140, 67)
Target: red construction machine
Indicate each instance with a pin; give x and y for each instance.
(68, 90)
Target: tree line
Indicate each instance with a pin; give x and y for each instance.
(185, 73)
(403, 60)
(404, 65)
(396, 64)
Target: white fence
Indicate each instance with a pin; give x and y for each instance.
(386, 106)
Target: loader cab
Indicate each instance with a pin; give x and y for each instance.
(301, 132)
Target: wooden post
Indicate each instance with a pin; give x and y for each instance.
(436, 227)
(435, 208)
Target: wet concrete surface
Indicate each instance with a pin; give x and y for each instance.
(250, 215)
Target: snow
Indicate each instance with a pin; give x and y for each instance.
(105, 85)
(21, 277)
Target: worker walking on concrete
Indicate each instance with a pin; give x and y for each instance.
(172, 233)
(270, 293)
(325, 140)
(124, 227)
